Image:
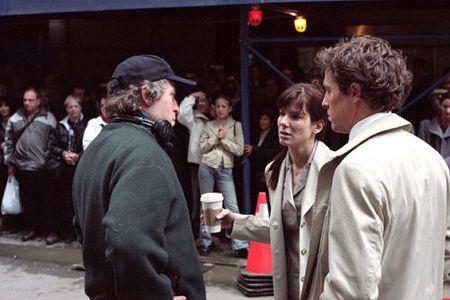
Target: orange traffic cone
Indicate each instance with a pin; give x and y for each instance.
(256, 279)
(259, 258)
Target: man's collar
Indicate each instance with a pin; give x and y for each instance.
(33, 115)
(384, 123)
(144, 115)
(358, 127)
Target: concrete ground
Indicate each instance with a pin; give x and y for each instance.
(37, 280)
(33, 270)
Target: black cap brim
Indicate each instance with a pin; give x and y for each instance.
(182, 80)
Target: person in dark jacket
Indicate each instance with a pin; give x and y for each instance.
(9, 222)
(26, 154)
(436, 131)
(66, 148)
(264, 147)
(130, 212)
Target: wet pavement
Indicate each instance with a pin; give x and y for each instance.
(24, 279)
(30, 279)
(34, 270)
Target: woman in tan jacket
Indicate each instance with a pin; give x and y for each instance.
(220, 141)
(292, 181)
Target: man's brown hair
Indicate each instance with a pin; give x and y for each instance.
(370, 62)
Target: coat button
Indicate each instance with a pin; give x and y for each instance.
(303, 252)
(302, 279)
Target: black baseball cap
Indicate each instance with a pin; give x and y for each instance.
(138, 68)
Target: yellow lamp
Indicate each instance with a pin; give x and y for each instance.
(300, 24)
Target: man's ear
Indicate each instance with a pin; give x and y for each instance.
(355, 91)
(146, 99)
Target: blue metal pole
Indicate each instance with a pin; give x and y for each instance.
(245, 109)
(268, 63)
(421, 96)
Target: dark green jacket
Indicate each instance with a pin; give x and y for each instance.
(132, 220)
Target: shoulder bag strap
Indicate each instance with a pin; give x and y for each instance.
(23, 130)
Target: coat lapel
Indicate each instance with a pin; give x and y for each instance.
(436, 129)
(316, 195)
(277, 233)
(322, 155)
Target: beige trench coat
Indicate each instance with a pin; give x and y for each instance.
(385, 229)
(252, 228)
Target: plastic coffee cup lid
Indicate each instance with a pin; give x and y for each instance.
(211, 197)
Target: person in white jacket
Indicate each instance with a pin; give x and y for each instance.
(194, 114)
(95, 125)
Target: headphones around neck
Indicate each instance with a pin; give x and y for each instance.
(162, 130)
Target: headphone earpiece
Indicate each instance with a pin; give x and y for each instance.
(162, 130)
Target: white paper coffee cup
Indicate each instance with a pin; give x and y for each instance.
(212, 206)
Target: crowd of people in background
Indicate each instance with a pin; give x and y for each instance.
(45, 130)
(42, 152)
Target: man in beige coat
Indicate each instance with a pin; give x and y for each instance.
(384, 233)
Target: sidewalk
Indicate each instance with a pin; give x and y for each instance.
(38, 271)
(220, 267)
(37, 280)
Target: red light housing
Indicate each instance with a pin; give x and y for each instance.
(255, 17)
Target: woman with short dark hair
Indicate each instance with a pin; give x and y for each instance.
(292, 181)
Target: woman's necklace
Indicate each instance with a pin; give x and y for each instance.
(295, 171)
(295, 175)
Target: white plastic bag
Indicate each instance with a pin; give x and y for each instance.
(11, 201)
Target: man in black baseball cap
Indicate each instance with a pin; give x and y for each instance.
(130, 211)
